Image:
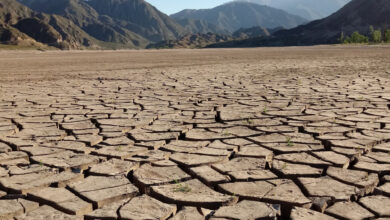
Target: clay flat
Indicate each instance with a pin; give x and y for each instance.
(265, 133)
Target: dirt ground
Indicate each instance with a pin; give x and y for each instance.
(264, 133)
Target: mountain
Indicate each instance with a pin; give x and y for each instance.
(245, 33)
(139, 17)
(23, 26)
(309, 9)
(235, 15)
(192, 41)
(200, 26)
(84, 16)
(357, 15)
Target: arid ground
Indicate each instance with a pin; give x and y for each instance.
(267, 133)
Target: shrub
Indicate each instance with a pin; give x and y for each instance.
(386, 37)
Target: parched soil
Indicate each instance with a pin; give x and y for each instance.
(267, 133)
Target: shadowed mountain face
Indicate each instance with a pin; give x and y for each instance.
(309, 9)
(236, 15)
(139, 17)
(21, 25)
(84, 16)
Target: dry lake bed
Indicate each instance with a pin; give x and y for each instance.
(267, 133)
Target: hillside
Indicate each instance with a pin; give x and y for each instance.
(245, 33)
(84, 16)
(200, 26)
(357, 15)
(139, 17)
(235, 15)
(192, 41)
(309, 9)
(22, 26)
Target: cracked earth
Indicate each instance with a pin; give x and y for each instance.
(271, 133)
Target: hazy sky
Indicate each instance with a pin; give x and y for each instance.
(173, 6)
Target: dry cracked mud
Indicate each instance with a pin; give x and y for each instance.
(268, 133)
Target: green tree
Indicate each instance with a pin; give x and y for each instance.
(342, 37)
(386, 37)
(371, 32)
(376, 36)
(357, 38)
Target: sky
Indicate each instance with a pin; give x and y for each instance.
(173, 6)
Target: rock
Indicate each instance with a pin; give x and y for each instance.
(191, 193)
(360, 179)
(101, 190)
(113, 167)
(328, 187)
(192, 160)
(299, 213)
(145, 207)
(281, 191)
(148, 175)
(349, 210)
(28, 206)
(247, 210)
(209, 175)
(379, 205)
(62, 200)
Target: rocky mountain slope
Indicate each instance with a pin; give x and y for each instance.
(139, 17)
(235, 15)
(192, 41)
(309, 9)
(357, 15)
(23, 26)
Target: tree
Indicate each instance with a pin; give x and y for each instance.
(357, 38)
(342, 37)
(386, 37)
(371, 32)
(376, 36)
